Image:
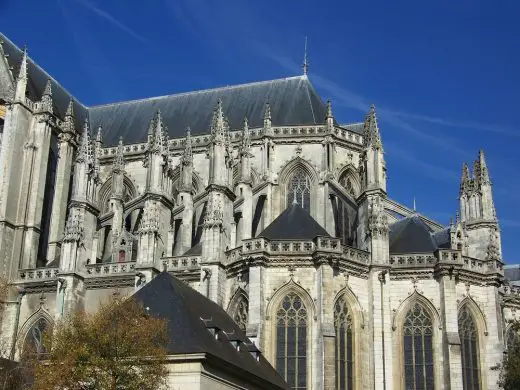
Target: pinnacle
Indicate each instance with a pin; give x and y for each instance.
(70, 109)
(329, 109)
(22, 74)
(267, 110)
(48, 88)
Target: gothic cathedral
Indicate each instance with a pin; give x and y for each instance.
(259, 198)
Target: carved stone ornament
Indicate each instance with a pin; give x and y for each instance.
(377, 219)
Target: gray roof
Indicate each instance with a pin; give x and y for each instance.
(294, 223)
(512, 272)
(413, 235)
(189, 314)
(37, 78)
(293, 102)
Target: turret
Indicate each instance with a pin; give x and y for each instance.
(186, 179)
(478, 209)
(86, 168)
(220, 149)
(245, 155)
(373, 170)
(156, 157)
(68, 122)
(267, 118)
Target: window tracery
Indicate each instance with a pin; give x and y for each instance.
(418, 349)
(299, 189)
(291, 341)
(344, 345)
(469, 350)
(34, 342)
(240, 312)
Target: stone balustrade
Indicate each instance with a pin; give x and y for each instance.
(180, 263)
(413, 260)
(356, 255)
(103, 269)
(299, 247)
(37, 274)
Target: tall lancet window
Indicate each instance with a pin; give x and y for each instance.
(291, 341)
(299, 189)
(469, 348)
(418, 349)
(344, 346)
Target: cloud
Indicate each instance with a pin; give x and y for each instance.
(113, 21)
(431, 170)
(509, 223)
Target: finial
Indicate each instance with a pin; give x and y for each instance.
(267, 111)
(46, 101)
(188, 153)
(305, 65)
(119, 160)
(414, 205)
(329, 109)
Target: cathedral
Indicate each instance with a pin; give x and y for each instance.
(264, 202)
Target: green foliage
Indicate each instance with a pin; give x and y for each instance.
(510, 373)
(120, 347)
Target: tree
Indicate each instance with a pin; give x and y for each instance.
(120, 347)
(510, 368)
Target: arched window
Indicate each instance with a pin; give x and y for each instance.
(344, 345)
(469, 348)
(291, 341)
(34, 342)
(299, 189)
(418, 349)
(346, 182)
(240, 311)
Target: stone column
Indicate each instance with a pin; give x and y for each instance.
(451, 341)
(61, 193)
(327, 332)
(256, 306)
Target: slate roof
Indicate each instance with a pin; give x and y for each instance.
(185, 309)
(293, 102)
(294, 223)
(413, 235)
(37, 78)
(512, 272)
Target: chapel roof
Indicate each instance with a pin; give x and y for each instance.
(413, 235)
(294, 223)
(189, 314)
(293, 101)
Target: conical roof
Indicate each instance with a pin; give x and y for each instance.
(294, 223)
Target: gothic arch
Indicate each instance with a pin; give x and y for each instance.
(283, 290)
(398, 341)
(479, 320)
(476, 312)
(349, 176)
(40, 315)
(353, 303)
(294, 166)
(236, 308)
(106, 190)
(175, 175)
(291, 292)
(407, 304)
(358, 336)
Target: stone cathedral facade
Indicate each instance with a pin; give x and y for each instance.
(257, 196)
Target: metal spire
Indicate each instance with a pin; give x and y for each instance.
(305, 65)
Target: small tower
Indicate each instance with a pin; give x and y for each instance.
(185, 196)
(118, 189)
(244, 219)
(373, 227)
(477, 208)
(217, 227)
(156, 156)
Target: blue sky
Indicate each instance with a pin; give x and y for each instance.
(442, 74)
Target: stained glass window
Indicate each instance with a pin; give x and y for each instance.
(418, 349)
(34, 339)
(469, 348)
(344, 346)
(299, 189)
(291, 341)
(240, 312)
